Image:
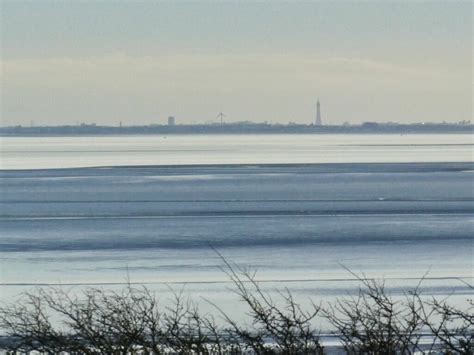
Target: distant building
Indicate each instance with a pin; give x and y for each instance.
(318, 115)
(171, 121)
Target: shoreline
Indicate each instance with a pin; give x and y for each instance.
(259, 168)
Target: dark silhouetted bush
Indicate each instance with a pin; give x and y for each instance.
(132, 321)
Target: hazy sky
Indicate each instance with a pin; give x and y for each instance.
(140, 61)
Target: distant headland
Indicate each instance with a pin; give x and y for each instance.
(238, 128)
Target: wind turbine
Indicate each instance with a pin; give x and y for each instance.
(221, 117)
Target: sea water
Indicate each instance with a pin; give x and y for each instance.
(104, 211)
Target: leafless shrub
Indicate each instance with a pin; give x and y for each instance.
(277, 328)
(374, 323)
(28, 323)
(186, 331)
(452, 328)
(108, 322)
(132, 321)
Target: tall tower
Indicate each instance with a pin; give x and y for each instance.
(318, 114)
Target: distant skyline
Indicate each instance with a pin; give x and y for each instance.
(139, 62)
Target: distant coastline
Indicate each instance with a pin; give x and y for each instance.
(239, 128)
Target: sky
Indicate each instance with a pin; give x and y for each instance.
(138, 62)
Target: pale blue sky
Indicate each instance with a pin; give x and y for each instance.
(140, 61)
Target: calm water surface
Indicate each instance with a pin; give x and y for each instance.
(388, 206)
(66, 152)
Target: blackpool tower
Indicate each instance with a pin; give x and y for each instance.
(318, 115)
